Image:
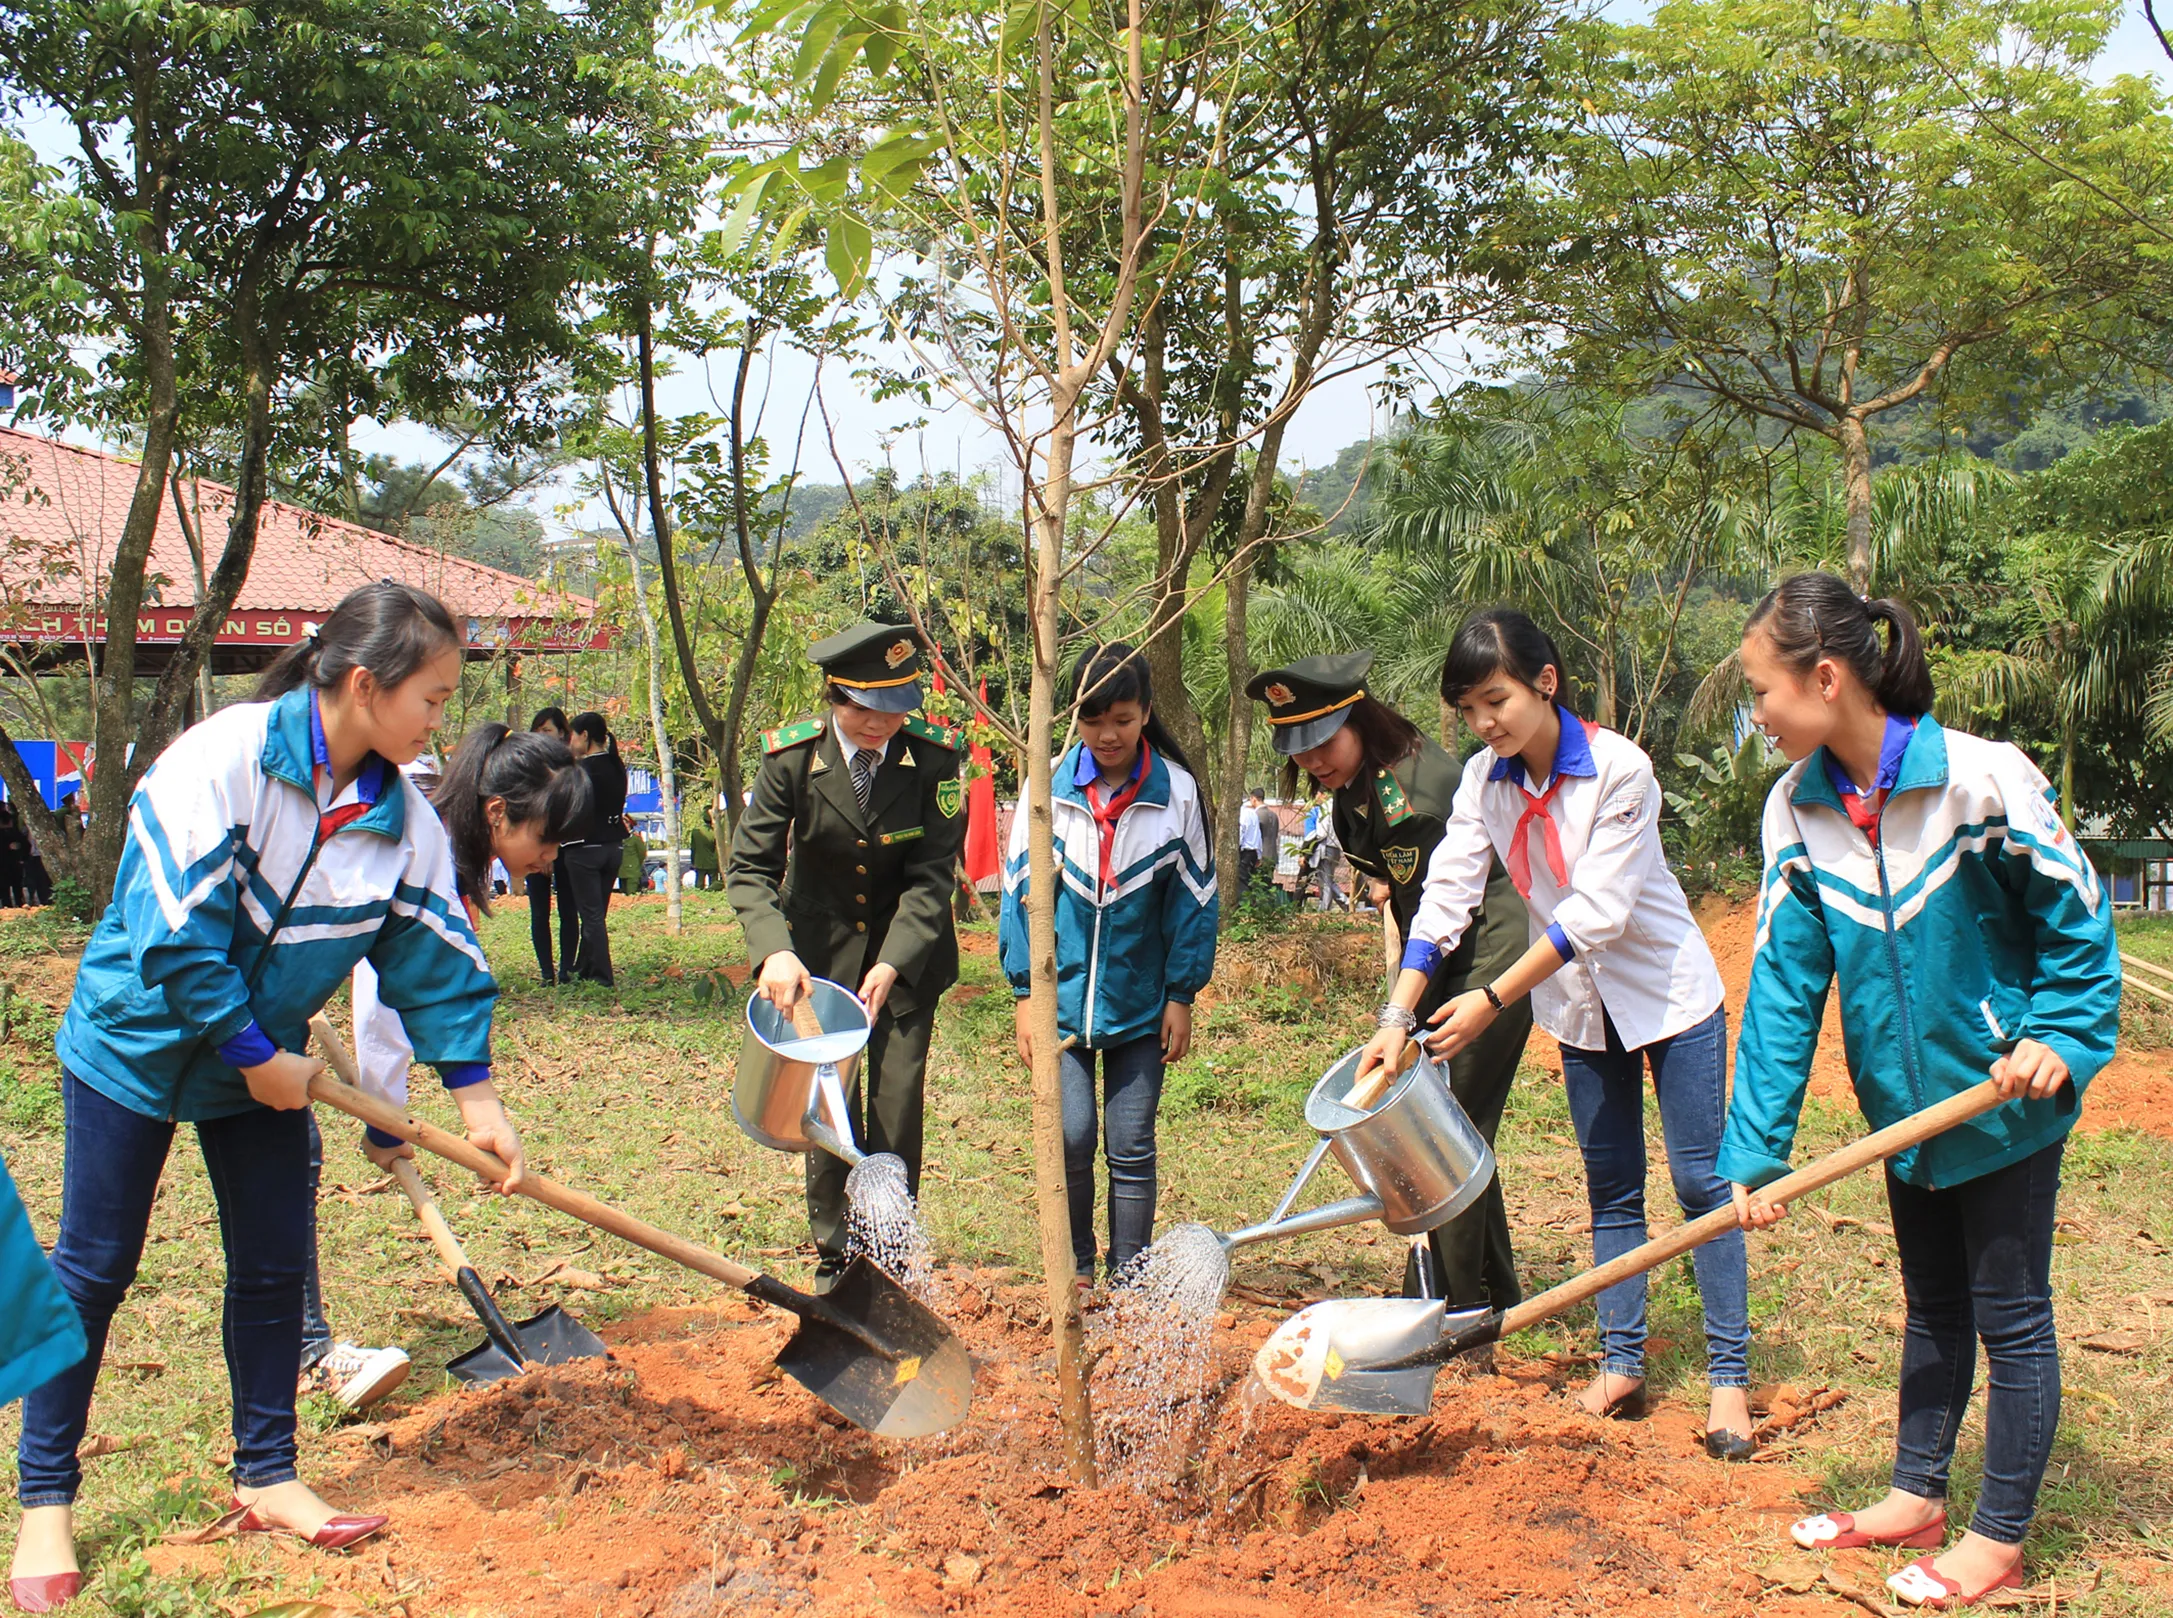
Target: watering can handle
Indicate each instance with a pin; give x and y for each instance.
(804, 1020)
(1320, 1150)
(1364, 1095)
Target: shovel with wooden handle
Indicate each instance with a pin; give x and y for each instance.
(1379, 1356)
(868, 1349)
(551, 1338)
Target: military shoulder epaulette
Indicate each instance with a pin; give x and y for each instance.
(791, 735)
(1394, 808)
(929, 731)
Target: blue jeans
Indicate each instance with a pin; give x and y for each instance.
(1132, 1085)
(316, 1329)
(258, 1162)
(1607, 1104)
(1976, 1261)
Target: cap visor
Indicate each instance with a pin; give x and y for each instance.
(887, 698)
(1307, 734)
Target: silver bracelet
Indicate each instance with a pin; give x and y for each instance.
(1395, 1016)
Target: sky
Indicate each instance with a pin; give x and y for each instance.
(869, 434)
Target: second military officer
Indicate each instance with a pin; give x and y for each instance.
(1393, 791)
(843, 867)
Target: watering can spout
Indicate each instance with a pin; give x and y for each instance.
(1328, 1216)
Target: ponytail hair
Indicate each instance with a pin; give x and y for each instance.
(1107, 675)
(591, 724)
(1500, 640)
(532, 771)
(388, 628)
(1815, 615)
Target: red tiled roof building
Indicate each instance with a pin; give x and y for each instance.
(61, 512)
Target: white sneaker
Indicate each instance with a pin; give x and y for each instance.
(357, 1377)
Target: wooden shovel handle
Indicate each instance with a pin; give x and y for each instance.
(343, 1094)
(403, 1168)
(1873, 1148)
(426, 1209)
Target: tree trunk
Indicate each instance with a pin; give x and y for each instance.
(667, 767)
(1236, 735)
(660, 523)
(192, 535)
(1074, 1404)
(1605, 705)
(169, 699)
(1856, 490)
(762, 594)
(2067, 774)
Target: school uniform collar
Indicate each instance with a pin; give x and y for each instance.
(1084, 771)
(1572, 754)
(1923, 763)
(1077, 767)
(1892, 745)
(294, 745)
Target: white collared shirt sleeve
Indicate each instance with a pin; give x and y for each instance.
(1456, 871)
(1619, 855)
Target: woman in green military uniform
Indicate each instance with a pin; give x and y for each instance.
(842, 868)
(1392, 791)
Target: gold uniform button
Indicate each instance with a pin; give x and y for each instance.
(860, 926)
(860, 870)
(860, 898)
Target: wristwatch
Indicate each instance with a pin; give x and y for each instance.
(1492, 998)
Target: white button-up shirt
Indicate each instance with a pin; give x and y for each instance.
(1639, 957)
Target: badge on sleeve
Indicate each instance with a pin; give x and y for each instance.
(950, 798)
(1402, 863)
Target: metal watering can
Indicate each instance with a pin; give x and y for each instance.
(789, 1093)
(1416, 1157)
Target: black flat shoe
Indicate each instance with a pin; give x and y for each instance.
(1724, 1445)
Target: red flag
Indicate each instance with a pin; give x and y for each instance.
(983, 858)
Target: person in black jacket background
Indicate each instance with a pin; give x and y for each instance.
(591, 854)
(540, 885)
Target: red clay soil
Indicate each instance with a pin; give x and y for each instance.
(685, 1477)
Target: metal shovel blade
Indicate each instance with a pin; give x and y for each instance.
(873, 1353)
(551, 1338)
(1340, 1355)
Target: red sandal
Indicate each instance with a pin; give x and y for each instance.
(1837, 1531)
(1918, 1585)
(336, 1535)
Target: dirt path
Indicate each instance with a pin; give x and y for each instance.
(685, 1478)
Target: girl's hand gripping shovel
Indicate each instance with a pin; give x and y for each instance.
(1378, 1356)
(868, 1349)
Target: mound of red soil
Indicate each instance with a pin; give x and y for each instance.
(685, 1477)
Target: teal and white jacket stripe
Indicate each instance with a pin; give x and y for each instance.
(223, 847)
(1976, 922)
(1121, 955)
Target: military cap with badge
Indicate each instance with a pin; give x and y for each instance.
(1309, 700)
(879, 666)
